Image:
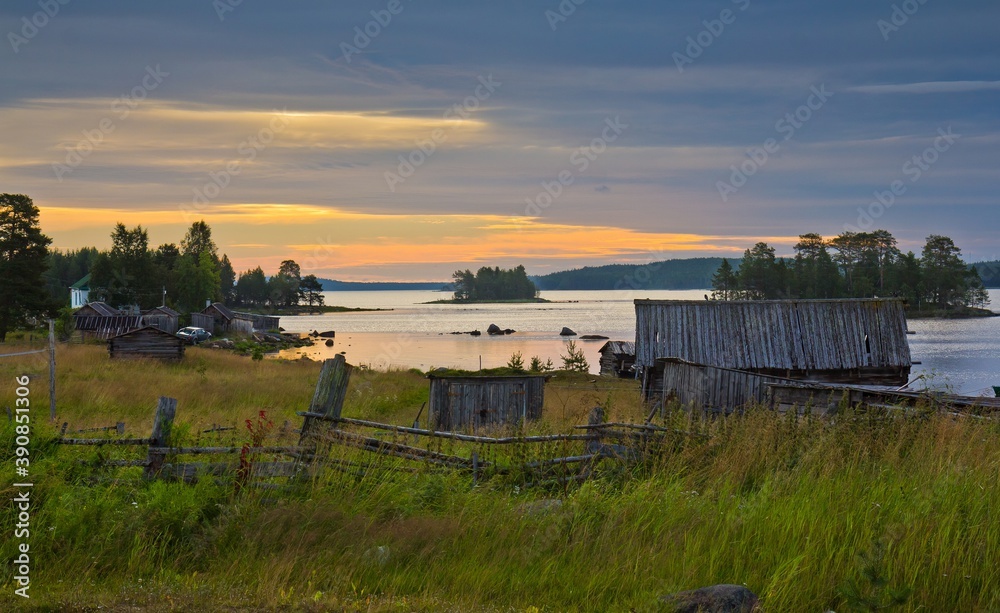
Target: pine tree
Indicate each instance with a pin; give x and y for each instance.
(23, 262)
(725, 282)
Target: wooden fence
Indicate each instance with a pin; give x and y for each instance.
(556, 457)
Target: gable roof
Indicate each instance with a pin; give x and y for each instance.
(619, 348)
(83, 283)
(221, 308)
(147, 330)
(165, 310)
(102, 309)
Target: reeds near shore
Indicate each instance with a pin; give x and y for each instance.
(873, 510)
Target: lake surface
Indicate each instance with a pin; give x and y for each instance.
(961, 355)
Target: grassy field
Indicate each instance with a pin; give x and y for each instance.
(872, 511)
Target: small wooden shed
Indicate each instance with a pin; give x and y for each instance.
(218, 319)
(146, 342)
(261, 323)
(163, 318)
(618, 359)
(460, 402)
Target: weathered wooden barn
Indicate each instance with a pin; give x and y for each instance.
(97, 320)
(618, 359)
(218, 319)
(834, 341)
(472, 402)
(261, 323)
(146, 342)
(163, 318)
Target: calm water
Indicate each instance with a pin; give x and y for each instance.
(963, 355)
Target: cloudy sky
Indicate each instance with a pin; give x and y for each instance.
(402, 139)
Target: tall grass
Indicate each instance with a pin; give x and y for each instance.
(870, 510)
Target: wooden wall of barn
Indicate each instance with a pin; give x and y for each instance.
(708, 387)
(473, 402)
(794, 336)
(201, 320)
(163, 322)
(146, 343)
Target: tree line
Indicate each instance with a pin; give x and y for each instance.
(493, 284)
(855, 265)
(185, 276)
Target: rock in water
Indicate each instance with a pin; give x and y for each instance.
(567, 332)
(713, 599)
(494, 330)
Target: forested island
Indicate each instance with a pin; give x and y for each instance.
(492, 285)
(862, 265)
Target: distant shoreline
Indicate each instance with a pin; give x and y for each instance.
(518, 301)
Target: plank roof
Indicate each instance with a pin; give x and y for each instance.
(810, 335)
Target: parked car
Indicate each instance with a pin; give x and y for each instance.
(193, 336)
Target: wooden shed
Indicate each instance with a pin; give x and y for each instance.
(146, 342)
(461, 402)
(163, 318)
(618, 359)
(223, 321)
(834, 341)
(261, 323)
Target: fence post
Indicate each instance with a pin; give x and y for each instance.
(331, 389)
(52, 370)
(163, 423)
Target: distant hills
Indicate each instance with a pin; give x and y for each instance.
(989, 272)
(692, 273)
(330, 285)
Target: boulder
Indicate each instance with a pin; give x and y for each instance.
(593, 337)
(713, 599)
(475, 333)
(508, 331)
(494, 330)
(567, 332)
(329, 342)
(328, 334)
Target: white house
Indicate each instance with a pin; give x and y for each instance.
(79, 293)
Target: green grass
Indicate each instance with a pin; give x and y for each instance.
(811, 515)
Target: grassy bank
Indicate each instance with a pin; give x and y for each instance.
(810, 515)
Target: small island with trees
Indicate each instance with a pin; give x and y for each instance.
(492, 285)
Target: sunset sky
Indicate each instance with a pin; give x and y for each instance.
(425, 144)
